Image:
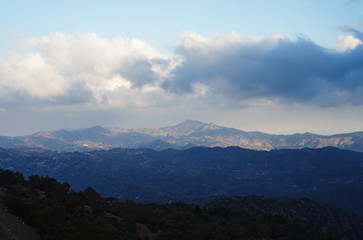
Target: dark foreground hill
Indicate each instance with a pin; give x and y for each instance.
(12, 227)
(329, 175)
(58, 212)
(308, 212)
(182, 136)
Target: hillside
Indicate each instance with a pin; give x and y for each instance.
(329, 175)
(11, 227)
(59, 213)
(184, 135)
(310, 213)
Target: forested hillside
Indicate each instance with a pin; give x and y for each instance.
(310, 213)
(58, 212)
(328, 174)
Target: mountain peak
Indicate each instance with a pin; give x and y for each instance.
(97, 127)
(191, 122)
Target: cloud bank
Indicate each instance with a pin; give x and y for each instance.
(243, 68)
(62, 69)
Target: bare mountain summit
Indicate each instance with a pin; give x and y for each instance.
(184, 135)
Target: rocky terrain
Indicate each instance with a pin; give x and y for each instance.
(12, 227)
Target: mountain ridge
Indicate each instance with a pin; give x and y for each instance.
(183, 135)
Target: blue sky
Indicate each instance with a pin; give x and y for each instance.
(273, 66)
(161, 22)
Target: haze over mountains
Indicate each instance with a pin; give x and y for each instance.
(182, 136)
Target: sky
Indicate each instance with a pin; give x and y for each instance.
(275, 66)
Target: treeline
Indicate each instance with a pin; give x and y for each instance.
(58, 212)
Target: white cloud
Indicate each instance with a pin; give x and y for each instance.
(60, 65)
(225, 43)
(347, 42)
(31, 74)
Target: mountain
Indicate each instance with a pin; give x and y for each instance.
(329, 174)
(184, 135)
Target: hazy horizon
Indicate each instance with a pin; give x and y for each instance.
(170, 125)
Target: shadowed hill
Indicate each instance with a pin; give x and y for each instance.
(59, 213)
(308, 212)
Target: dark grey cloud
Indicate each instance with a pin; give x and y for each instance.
(291, 71)
(140, 72)
(76, 94)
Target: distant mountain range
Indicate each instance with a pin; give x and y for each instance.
(182, 136)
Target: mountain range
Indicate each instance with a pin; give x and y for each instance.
(182, 136)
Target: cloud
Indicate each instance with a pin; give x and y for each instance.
(67, 69)
(227, 70)
(347, 42)
(241, 68)
(350, 41)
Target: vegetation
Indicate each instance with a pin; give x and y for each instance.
(326, 175)
(58, 212)
(307, 211)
